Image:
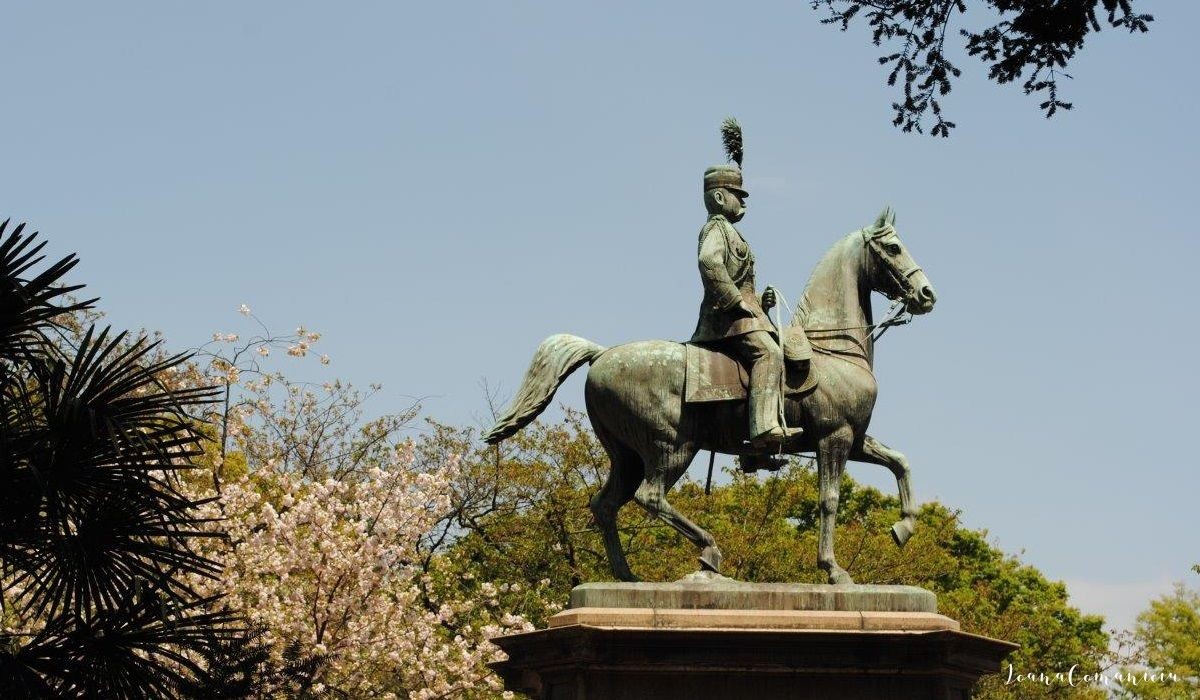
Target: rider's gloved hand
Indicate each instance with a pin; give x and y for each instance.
(769, 298)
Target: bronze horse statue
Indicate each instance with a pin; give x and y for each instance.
(635, 399)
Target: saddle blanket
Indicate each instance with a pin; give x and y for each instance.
(714, 375)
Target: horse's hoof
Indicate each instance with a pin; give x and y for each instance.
(901, 531)
(623, 573)
(710, 559)
(839, 577)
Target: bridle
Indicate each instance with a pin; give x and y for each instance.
(902, 278)
(897, 315)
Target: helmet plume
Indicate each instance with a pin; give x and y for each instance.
(731, 134)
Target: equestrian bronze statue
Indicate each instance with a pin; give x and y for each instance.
(655, 404)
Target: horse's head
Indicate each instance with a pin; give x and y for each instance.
(894, 273)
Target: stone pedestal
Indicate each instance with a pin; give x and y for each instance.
(711, 637)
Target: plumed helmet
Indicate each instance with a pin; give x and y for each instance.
(728, 175)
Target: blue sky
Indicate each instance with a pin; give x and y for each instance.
(438, 186)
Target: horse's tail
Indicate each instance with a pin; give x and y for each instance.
(555, 359)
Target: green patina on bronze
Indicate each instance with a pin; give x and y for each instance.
(635, 393)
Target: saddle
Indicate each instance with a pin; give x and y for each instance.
(714, 375)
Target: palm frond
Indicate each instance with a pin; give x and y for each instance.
(96, 538)
(144, 647)
(27, 306)
(94, 455)
(244, 667)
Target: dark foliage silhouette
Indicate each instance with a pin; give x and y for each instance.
(243, 668)
(95, 536)
(1033, 39)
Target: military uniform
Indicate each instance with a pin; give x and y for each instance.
(731, 314)
(727, 272)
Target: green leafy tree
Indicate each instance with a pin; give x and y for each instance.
(95, 537)
(1031, 41)
(520, 513)
(1168, 638)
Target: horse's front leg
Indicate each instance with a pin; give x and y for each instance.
(875, 452)
(832, 452)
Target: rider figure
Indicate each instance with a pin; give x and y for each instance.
(732, 316)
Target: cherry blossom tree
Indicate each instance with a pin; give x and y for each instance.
(328, 518)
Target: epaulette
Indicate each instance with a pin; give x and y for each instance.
(715, 221)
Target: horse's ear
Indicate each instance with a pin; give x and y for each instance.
(891, 216)
(884, 216)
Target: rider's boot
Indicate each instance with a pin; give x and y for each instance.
(766, 394)
(775, 437)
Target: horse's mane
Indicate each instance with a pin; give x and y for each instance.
(845, 340)
(825, 268)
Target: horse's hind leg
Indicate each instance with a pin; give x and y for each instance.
(661, 475)
(624, 474)
(875, 452)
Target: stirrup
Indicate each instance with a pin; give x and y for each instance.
(775, 437)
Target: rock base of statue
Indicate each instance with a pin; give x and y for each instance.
(708, 637)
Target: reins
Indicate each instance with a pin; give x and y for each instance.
(895, 316)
